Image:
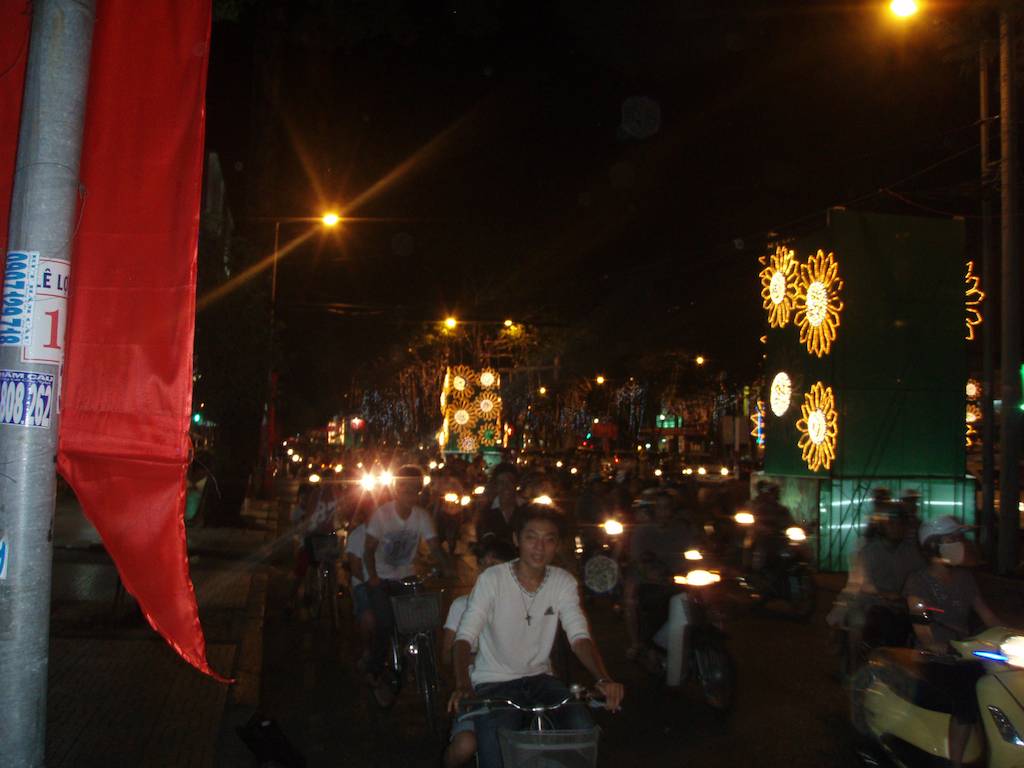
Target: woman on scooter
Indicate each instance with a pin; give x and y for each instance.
(946, 589)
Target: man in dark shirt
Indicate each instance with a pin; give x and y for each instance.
(498, 518)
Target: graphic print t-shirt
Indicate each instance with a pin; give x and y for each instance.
(398, 539)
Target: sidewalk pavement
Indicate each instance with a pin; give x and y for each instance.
(118, 694)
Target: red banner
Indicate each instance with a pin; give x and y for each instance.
(127, 387)
(15, 25)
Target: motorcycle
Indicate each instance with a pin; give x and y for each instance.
(892, 704)
(691, 643)
(597, 553)
(778, 567)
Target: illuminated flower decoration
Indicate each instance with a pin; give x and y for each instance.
(973, 300)
(444, 400)
(757, 419)
(970, 436)
(818, 304)
(781, 393)
(488, 434)
(468, 444)
(973, 413)
(973, 389)
(818, 428)
(779, 285)
(462, 375)
(487, 405)
(488, 379)
(462, 417)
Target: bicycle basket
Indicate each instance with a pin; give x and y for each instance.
(549, 749)
(417, 613)
(324, 546)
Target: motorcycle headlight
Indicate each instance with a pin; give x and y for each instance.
(612, 527)
(796, 533)
(693, 554)
(1013, 649)
(368, 482)
(744, 518)
(698, 578)
(451, 498)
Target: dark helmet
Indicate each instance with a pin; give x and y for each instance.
(881, 495)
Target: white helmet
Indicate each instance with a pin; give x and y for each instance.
(940, 526)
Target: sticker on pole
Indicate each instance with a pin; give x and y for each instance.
(3, 559)
(26, 398)
(34, 311)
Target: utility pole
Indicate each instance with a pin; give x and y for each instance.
(43, 209)
(1010, 362)
(988, 270)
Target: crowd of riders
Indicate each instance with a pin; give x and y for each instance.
(524, 525)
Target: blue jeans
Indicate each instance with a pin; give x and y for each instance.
(539, 689)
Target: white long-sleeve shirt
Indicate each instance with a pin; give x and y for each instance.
(510, 647)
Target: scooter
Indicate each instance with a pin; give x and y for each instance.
(691, 644)
(890, 704)
(786, 575)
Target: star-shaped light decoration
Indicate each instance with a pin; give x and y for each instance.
(779, 285)
(818, 427)
(818, 305)
(974, 297)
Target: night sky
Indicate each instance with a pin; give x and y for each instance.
(610, 168)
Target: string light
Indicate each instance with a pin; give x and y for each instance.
(818, 427)
(779, 285)
(757, 418)
(818, 304)
(974, 297)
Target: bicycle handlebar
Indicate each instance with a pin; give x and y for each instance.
(483, 705)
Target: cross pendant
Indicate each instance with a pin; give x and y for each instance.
(528, 617)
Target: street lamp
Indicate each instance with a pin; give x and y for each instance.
(700, 360)
(599, 380)
(903, 8)
(450, 323)
(330, 219)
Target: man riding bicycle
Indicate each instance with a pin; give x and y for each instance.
(513, 615)
(393, 536)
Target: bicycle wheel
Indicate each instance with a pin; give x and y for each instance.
(426, 681)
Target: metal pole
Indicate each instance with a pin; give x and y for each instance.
(1010, 362)
(988, 271)
(43, 210)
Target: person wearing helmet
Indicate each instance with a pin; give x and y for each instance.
(873, 596)
(946, 589)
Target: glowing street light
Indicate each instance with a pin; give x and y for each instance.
(599, 380)
(543, 391)
(700, 360)
(903, 8)
(450, 323)
(330, 219)
(508, 323)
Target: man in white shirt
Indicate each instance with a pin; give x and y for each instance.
(393, 536)
(513, 615)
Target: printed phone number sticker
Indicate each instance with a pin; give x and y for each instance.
(26, 398)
